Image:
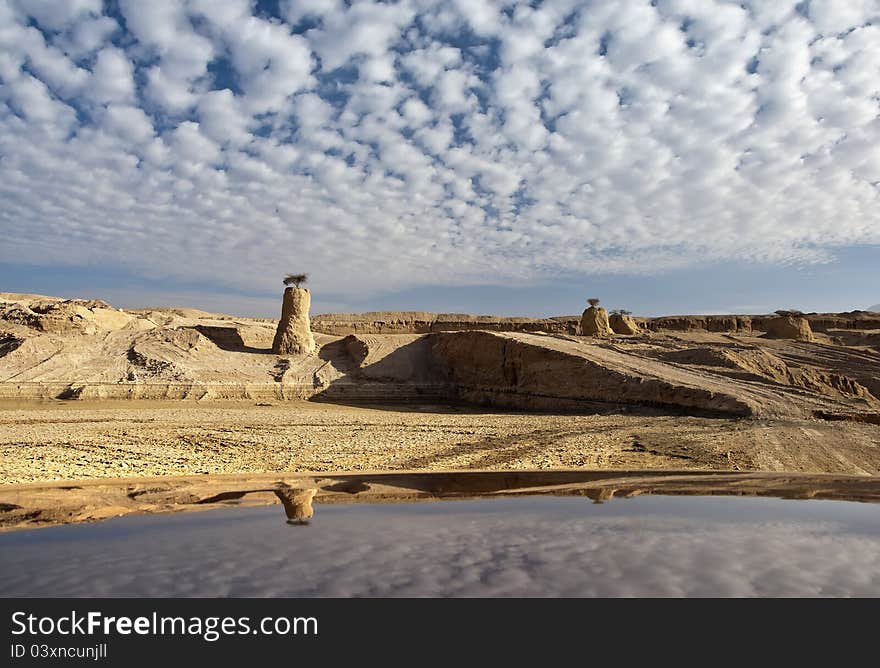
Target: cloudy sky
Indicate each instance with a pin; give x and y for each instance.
(469, 155)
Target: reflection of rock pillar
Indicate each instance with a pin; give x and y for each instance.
(294, 333)
(297, 503)
(594, 322)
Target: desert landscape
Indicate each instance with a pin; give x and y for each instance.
(92, 391)
(437, 299)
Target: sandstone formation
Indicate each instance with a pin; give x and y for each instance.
(400, 357)
(526, 371)
(297, 503)
(752, 363)
(237, 336)
(188, 354)
(422, 322)
(789, 327)
(9, 342)
(418, 322)
(696, 323)
(63, 316)
(622, 323)
(849, 337)
(594, 322)
(821, 322)
(294, 334)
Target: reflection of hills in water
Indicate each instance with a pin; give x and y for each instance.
(546, 546)
(38, 505)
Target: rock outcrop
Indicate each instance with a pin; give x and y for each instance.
(821, 322)
(418, 322)
(62, 316)
(697, 323)
(746, 324)
(9, 342)
(294, 334)
(422, 322)
(166, 354)
(622, 323)
(48, 351)
(528, 371)
(788, 327)
(756, 364)
(594, 322)
(238, 337)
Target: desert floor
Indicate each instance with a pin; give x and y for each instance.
(58, 440)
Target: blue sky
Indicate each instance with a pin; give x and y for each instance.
(476, 156)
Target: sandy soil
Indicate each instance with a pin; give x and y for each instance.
(76, 440)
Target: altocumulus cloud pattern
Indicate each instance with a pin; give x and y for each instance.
(392, 144)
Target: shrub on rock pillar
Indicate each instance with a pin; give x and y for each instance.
(622, 323)
(294, 333)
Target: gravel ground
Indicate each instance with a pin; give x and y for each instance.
(77, 440)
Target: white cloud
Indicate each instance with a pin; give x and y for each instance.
(837, 16)
(112, 77)
(129, 123)
(26, 47)
(191, 145)
(222, 119)
(427, 64)
(55, 15)
(416, 112)
(459, 143)
(155, 23)
(163, 27)
(483, 16)
(272, 63)
(31, 97)
(366, 28)
(296, 10)
(89, 34)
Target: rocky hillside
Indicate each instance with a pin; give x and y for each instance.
(419, 322)
(81, 349)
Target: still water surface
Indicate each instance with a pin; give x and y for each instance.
(535, 546)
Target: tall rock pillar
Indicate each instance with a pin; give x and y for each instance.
(294, 333)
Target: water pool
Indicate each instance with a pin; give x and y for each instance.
(522, 546)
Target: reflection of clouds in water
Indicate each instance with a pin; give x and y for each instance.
(408, 551)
